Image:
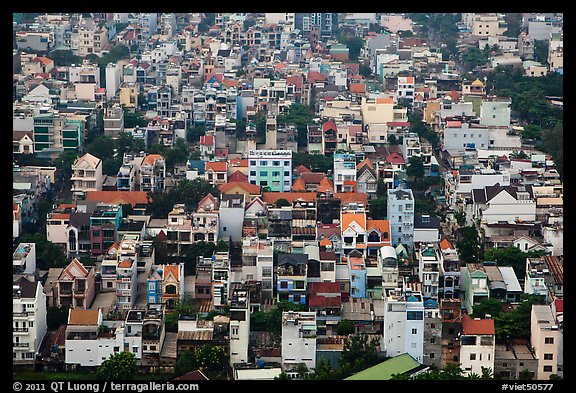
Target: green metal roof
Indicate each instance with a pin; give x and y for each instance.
(382, 372)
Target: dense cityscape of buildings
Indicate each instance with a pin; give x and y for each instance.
(352, 242)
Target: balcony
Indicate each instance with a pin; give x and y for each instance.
(21, 345)
(22, 314)
(20, 329)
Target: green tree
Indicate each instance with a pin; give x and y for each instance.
(512, 256)
(392, 140)
(184, 363)
(212, 360)
(415, 168)
(474, 57)
(302, 371)
(488, 306)
(378, 208)
(324, 371)
(365, 71)
(345, 327)
(133, 119)
(64, 58)
(314, 162)
(525, 375)
(48, 254)
(282, 202)
(469, 245)
(119, 366)
(359, 353)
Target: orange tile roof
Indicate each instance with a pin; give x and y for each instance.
(357, 88)
(326, 183)
(238, 162)
(271, 197)
(207, 140)
(302, 168)
(365, 162)
(118, 197)
(238, 176)
(83, 317)
(252, 189)
(445, 244)
(380, 225)
(217, 166)
(173, 269)
(299, 185)
(325, 242)
(348, 218)
(150, 159)
(126, 263)
(477, 327)
(346, 197)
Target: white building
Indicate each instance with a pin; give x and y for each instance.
(344, 172)
(28, 320)
(24, 259)
(239, 325)
(495, 111)
(86, 344)
(429, 267)
(404, 324)
(400, 213)
(298, 340)
(113, 79)
(389, 261)
(494, 204)
(477, 345)
(231, 217)
(545, 339)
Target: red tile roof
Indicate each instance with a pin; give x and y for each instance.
(217, 166)
(477, 327)
(324, 301)
(238, 176)
(395, 158)
(329, 125)
(359, 88)
(295, 80)
(207, 140)
(252, 189)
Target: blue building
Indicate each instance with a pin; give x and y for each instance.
(154, 285)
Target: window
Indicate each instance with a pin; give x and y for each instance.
(547, 369)
(276, 163)
(264, 163)
(549, 340)
(414, 331)
(263, 173)
(548, 356)
(253, 163)
(284, 284)
(286, 173)
(472, 356)
(432, 355)
(432, 340)
(252, 173)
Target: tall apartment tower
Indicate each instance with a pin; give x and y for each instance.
(400, 212)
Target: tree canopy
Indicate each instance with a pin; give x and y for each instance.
(119, 366)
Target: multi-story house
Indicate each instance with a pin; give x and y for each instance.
(388, 259)
(153, 336)
(497, 204)
(488, 25)
(86, 175)
(358, 274)
(239, 324)
(429, 268)
(449, 287)
(405, 89)
(345, 172)
(303, 226)
(127, 272)
(353, 230)
(75, 286)
(28, 320)
(231, 217)
(216, 172)
(172, 285)
(205, 220)
(477, 345)
(403, 330)
(207, 147)
(544, 277)
(24, 259)
(325, 298)
(327, 264)
(400, 213)
(270, 169)
(475, 284)
(291, 274)
(257, 264)
(299, 330)
(86, 343)
(104, 222)
(366, 178)
(451, 311)
(432, 334)
(512, 360)
(108, 269)
(113, 121)
(128, 176)
(153, 173)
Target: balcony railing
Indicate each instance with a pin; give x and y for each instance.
(21, 345)
(20, 329)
